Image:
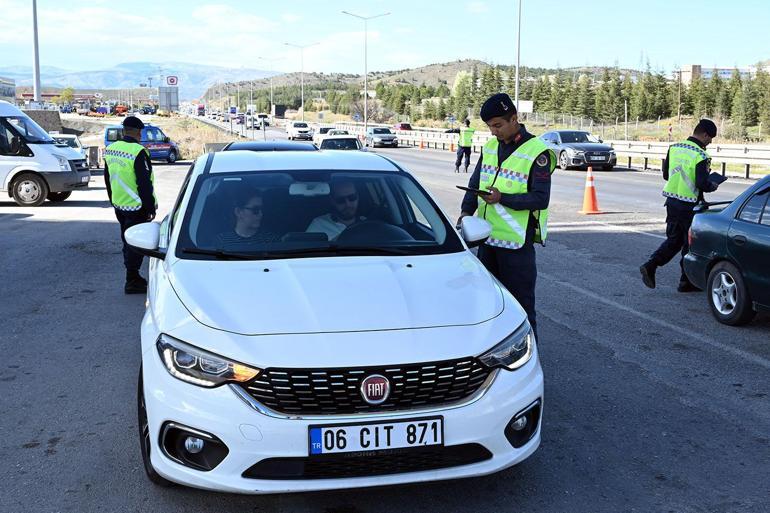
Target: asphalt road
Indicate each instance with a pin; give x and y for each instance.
(651, 405)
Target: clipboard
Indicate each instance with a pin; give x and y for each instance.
(475, 191)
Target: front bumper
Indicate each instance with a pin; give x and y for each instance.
(393, 142)
(696, 269)
(62, 181)
(308, 137)
(586, 160)
(252, 436)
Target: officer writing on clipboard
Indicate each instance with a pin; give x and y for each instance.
(515, 170)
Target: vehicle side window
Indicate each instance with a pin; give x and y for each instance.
(752, 210)
(11, 143)
(766, 213)
(159, 135)
(113, 134)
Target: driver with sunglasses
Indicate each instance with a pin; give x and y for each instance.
(344, 206)
(246, 222)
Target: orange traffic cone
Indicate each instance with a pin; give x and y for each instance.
(452, 147)
(422, 144)
(590, 205)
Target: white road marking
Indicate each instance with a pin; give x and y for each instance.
(753, 358)
(602, 227)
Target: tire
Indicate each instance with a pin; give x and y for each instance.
(144, 438)
(29, 190)
(563, 160)
(608, 168)
(58, 196)
(728, 296)
(171, 157)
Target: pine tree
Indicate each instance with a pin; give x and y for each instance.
(697, 97)
(556, 97)
(441, 113)
(602, 102)
(569, 93)
(762, 86)
(585, 97)
(744, 111)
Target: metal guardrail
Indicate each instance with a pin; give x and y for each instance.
(746, 155)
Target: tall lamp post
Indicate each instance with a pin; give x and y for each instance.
(270, 69)
(366, 66)
(302, 73)
(36, 69)
(518, 59)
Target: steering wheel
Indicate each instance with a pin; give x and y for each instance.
(366, 232)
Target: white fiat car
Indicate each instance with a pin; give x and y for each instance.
(315, 322)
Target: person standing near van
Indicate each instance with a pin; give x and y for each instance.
(129, 180)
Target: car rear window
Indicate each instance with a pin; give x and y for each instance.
(752, 210)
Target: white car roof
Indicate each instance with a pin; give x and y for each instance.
(244, 160)
(340, 136)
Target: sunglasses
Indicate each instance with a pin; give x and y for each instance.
(348, 198)
(254, 210)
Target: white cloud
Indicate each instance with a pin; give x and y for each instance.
(290, 18)
(477, 7)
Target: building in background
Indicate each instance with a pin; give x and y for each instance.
(691, 71)
(8, 90)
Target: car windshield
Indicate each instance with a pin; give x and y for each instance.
(29, 130)
(577, 137)
(66, 141)
(263, 215)
(381, 130)
(300, 125)
(339, 144)
(323, 130)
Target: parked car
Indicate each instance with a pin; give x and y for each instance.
(71, 141)
(317, 383)
(575, 148)
(337, 131)
(340, 142)
(729, 255)
(263, 119)
(276, 145)
(378, 136)
(33, 167)
(161, 147)
(402, 126)
(299, 130)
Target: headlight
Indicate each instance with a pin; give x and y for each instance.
(514, 351)
(63, 164)
(200, 367)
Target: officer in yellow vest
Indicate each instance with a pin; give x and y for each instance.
(686, 171)
(515, 167)
(464, 145)
(129, 180)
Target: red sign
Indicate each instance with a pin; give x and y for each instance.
(172, 80)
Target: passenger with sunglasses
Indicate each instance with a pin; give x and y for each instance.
(247, 222)
(344, 211)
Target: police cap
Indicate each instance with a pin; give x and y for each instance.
(706, 126)
(496, 106)
(133, 122)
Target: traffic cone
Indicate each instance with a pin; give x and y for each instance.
(590, 205)
(452, 147)
(422, 144)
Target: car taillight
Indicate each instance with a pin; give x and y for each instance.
(689, 237)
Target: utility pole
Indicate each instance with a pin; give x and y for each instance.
(302, 73)
(366, 68)
(36, 55)
(270, 69)
(518, 60)
(679, 103)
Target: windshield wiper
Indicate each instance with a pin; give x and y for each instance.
(335, 249)
(223, 255)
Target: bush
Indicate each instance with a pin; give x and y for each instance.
(735, 132)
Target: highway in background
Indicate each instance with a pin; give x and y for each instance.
(651, 405)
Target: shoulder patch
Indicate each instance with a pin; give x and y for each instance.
(542, 160)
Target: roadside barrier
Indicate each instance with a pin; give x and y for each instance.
(590, 204)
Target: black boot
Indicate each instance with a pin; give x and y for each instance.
(135, 284)
(648, 274)
(466, 169)
(457, 169)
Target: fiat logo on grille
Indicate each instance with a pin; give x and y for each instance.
(375, 389)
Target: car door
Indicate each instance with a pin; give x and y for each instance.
(749, 244)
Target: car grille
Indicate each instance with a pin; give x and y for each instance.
(377, 463)
(597, 156)
(336, 391)
(78, 165)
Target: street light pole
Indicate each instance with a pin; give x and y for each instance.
(302, 73)
(270, 69)
(518, 59)
(366, 64)
(36, 70)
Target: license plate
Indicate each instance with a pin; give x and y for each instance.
(597, 157)
(376, 436)
(84, 179)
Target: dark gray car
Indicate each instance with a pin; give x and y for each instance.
(576, 148)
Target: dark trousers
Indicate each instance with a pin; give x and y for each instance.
(462, 150)
(131, 259)
(677, 226)
(517, 270)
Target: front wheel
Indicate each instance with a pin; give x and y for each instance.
(171, 157)
(58, 196)
(728, 296)
(563, 160)
(145, 440)
(29, 190)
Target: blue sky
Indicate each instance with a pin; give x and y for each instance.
(86, 34)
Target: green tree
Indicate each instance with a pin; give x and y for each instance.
(556, 96)
(585, 97)
(602, 98)
(762, 87)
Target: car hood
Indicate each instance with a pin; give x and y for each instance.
(337, 294)
(588, 146)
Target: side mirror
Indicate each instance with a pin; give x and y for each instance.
(601, 141)
(145, 238)
(166, 139)
(474, 230)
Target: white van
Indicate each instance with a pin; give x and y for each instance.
(33, 167)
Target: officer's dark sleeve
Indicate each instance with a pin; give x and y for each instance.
(143, 169)
(539, 195)
(702, 181)
(107, 181)
(664, 168)
(470, 201)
